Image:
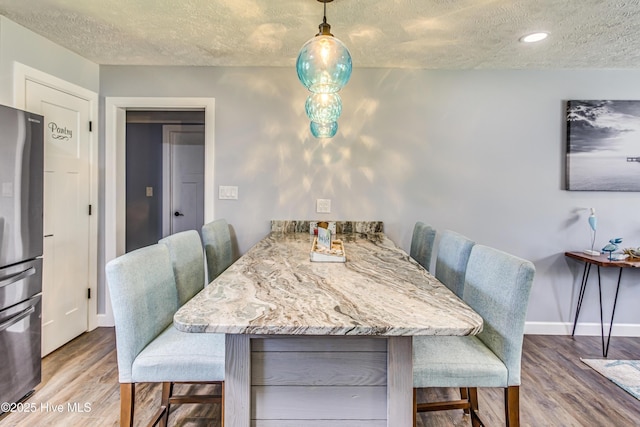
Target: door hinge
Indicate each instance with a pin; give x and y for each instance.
(88, 293)
(90, 126)
(89, 209)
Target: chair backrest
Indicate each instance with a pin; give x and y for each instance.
(422, 244)
(217, 247)
(497, 287)
(144, 299)
(452, 258)
(187, 260)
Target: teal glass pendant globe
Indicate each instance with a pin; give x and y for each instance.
(324, 130)
(324, 64)
(323, 107)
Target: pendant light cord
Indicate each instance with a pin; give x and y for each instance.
(324, 17)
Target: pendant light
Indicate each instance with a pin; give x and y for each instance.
(324, 67)
(323, 107)
(324, 130)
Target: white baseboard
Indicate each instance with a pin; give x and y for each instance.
(589, 329)
(105, 321)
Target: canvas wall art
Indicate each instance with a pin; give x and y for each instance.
(603, 145)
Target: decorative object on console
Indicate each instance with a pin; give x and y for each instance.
(602, 145)
(611, 247)
(633, 253)
(593, 223)
(324, 67)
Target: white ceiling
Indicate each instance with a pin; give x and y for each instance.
(430, 34)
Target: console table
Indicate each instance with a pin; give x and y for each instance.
(323, 344)
(599, 261)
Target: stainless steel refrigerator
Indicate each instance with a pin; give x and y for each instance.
(21, 227)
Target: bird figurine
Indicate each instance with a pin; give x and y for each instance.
(612, 246)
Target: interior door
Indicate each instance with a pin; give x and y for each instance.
(66, 213)
(184, 184)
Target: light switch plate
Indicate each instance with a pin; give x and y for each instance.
(7, 189)
(323, 205)
(228, 192)
(149, 191)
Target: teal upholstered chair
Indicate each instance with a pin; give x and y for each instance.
(451, 267)
(451, 260)
(497, 286)
(422, 242)
(217, 247)
(187, 259)
(144, 299)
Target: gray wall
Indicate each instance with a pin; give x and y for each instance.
(479, 152)
(24, 46)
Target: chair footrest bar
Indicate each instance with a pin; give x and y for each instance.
(443, 406)
(204, 398)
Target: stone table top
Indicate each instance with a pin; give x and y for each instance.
(275, 289)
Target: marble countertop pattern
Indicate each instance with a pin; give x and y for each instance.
(346, 227)
(274, 289)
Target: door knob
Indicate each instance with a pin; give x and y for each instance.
(178, 214)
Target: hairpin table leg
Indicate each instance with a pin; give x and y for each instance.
(583, 286)
(613, 312)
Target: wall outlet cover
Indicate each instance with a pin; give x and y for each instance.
(323, 205)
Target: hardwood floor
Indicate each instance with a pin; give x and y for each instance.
(80, 388)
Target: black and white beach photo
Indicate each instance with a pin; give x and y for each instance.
(603, 145)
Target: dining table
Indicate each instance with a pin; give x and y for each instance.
(323, 343)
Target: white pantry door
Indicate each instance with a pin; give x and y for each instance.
(183, 154)
(66, 213)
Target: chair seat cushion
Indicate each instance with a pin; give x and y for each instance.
(440, 361)
(175, 356)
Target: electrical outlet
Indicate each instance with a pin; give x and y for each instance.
(149, 191)
(228, 192)
(323, 205)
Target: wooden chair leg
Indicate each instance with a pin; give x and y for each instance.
(464, 395)
(473, 407)
(415, 407)
(512, 406)
(473, 398)
(222, 404)
(127, 404)
(167, 391)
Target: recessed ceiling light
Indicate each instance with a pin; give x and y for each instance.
(534, 37)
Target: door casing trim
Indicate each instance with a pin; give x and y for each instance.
(115, 162)
(21, 74)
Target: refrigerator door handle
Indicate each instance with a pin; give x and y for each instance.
(17, 318)
(18, 276)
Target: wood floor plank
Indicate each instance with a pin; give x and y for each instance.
(557, 389)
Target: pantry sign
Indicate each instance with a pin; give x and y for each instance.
(61, 132)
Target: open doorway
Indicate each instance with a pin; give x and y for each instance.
(114, 217)
(164, 174)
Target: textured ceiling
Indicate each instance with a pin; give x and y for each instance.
(430, 34)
